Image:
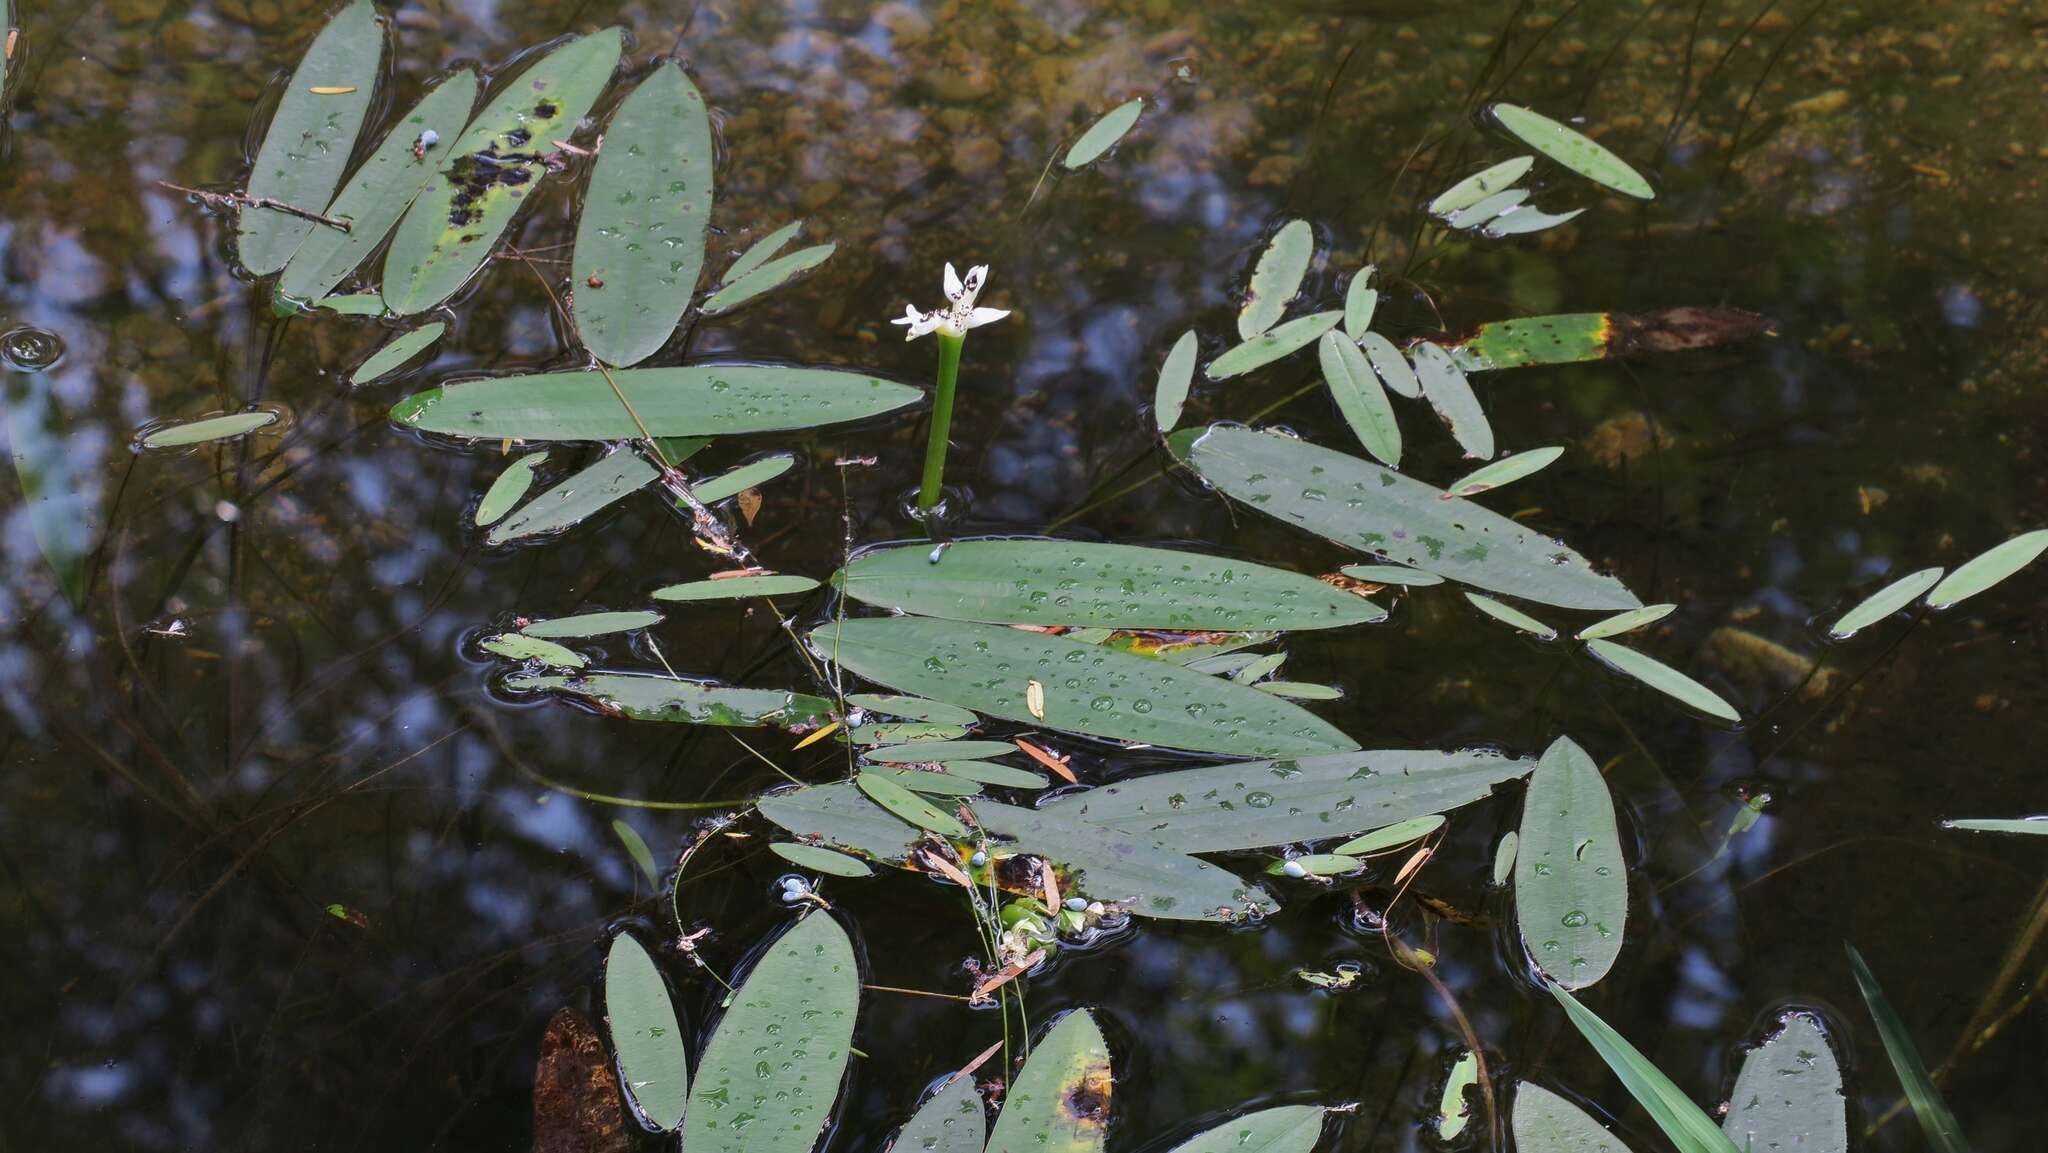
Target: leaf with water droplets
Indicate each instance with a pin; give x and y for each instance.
(908, 805)
(1480, 185)
(820, 860)
(591, 624)
(397, 351)
(1665, 679)
(1392, 836)
(1360, 302)
(1988, 568)
(1145, 872)
(1789, 1093)
(1626, 622)
(1283, 1129)
(1104, 133)
(1057, 582)
(1884, 602)
(1448, 392)
(1571, 883)
(768, 277)
(1267, 347)
(1544, 1122)
(2031, 826)
(646, 1037)
(1512, 617)
(307, 146)
(1059, 1102)
(1276, 278)
(1573, 149)
(952, 1121)
(760, 252)
(737, 588)
(771, 1073)
(1477, 214)
(508, 489)
(1175, 377)
(652, 697)
(1390, 365)
(583, 495)
(693, 400)
(1088, 689)
(1363, 506)
(523, 647)
(1356, 389)
(1506, 470)
(211, 428)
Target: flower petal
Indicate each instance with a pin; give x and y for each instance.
(952, 283)
(925, 324)
(982, 316)
(971, 288)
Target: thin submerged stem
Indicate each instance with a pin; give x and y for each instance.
(950, 345)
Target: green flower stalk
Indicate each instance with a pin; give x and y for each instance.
(951, 323)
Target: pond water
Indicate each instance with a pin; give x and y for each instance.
(266, 697)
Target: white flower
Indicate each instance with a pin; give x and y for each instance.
(959, 315)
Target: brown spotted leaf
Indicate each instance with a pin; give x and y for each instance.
(1060, 1101)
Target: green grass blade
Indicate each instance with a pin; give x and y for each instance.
(1688, 1126)
(1943, 1133)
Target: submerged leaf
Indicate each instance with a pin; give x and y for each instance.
(908, 805)
(1544, 1122)
(767, 278)
(1267, 347)
(820, 860)
(1057, 582)
(1059, 1102)
(1447, 391)
(953, 1121)
(1506, 470)
(591, 624)
(1988, 568)
(640, 236)
(1143, 872)
(1356, 389)
(1104, 133)
(1884, 602)
(2033, 826)
(1789, 1093)
(1688, 1127)
(1573, 149)
(583, 495)
(576, 1106)
(1665, 679)
(1372, 509)
(508, 489)
(1936, 1120)
(651, 697)
(1360, 302)
(1390, 365)
(211, 428)
(1480, 185)
(397, 351)
(737, 588)
(1276, 278)
(1571, 883)
(693, 400)
(636, 848)
(760, 252)
(646, 1038)
(1170, 395)
(1512, 617)
(750, 475)
(1626, 622)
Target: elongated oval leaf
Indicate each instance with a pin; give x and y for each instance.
(486, 176)
(1448, 392)
(1682, 1121)
(211, 428)
(1480, 185)
(768, 277)
(1267, 347)
(1391, 574)
(908, 731)
(1104, 133)
(1392, 836)
(651, 697)
(1988, 568)
(1626, 622)
(1884, 602)
(1360, 302)
(953, 1121)
(1544, 1122)
(1665, 679)
(1300, 690)
(928, 783)
(354, 304)
(1283, 1129)
(820, 860)
(1390, 365)
(1504, 855)
(1573, 149)
(397, 351)
(2031, 826)
(770, 1075)
(1356, 389)
(1056, 582)
(1260, 804)
(1506, 470)
(737, 588)
(640, 237)
(508, 489)
(378, 194)
(646, 1038)
(693, 400)
(908, 805)
(636, 848)
(1060, 1100)
(522, 647)
(1512, 617)
(1571, 883)
(746, 476)
(1477, 214)
(760, 252)
(307, 146)
(1789, 1094)
(913, 708)
(994, 774)
(591, 624)
(1276, 278)
(1088, 689)
(1523, 219)
(1929, 1108)
(1175, 377)
(611, 479)
(1363, 506)
(921, 752)
(1315, 865)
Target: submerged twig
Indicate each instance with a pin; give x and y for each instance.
(244, 200)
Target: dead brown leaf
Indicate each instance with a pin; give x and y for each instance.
(576, 1106)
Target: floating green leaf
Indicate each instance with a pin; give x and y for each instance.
(994, 774)
(613, 478)
(1391, 574)
(2033, 826)
(493, 170)
(1988, 568)
(1144, 872)
(923, 752)
(640, 237)
(1664, 679)
(508, 489)
(1626, 622)
(1447, 391)
(1276, 278)
(1059, 1102)
(397, 351)
(1225, 664)
(1789, 1093)
(1315, 865)
(1480, 185)
(1392, 836)
(761, 252)
(522, 647)
(1104, 133)
(1544, 1122)
(307, 146)
(1057, 582)
(1568, 338)
(768, 277)
(953, 1121)
(750, 475)
(211, 428)
(1259, 804)
(929, 783)
(1512, 617)
(1360, 398)
(651, 697)
(796, 1007)
(1175, 377)
(1688, 1127)
(1571, 883)
(591, 624)
(911, 731)
(1376, 510)
(908, 805)
(694, 400)
(1088, 689)
(1506, 470)
(647, 1041)
(840, 814)
(354, 304)
(1504, 855)
(913, 708)
(1524, 219)
(1936, 1121)
(1477, 214)
(1884, 602)
(1392, 367)
(1360, 302)
(376, 196)
(1283, 1129)
(1452, 1111)
(1267, 347)
(820, 860)
(1257, 667)
(636, 848)
(1573, 149)
(737, 588)
(1300, 690)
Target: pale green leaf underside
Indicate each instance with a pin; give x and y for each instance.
(1988, 568)
(768, 277)
(397, 351)
(1571, 883)
(1884, 602)
(1276, 278)
(647, 1041)
(581, 496)
(1788, 1097)
(211, 428)
(508, 489)
(1176, 376)
(1573, 149)
(1665, 679)
(1269, 346)
(1103, 135)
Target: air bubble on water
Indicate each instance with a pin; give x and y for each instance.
(28, 349)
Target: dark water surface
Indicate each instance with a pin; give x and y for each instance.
(176, 812)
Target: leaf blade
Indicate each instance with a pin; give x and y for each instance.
(1272, 345)
(1884, 602)
(1573, 149)
(397, 351)
(1276, 278)
(1176, 376)
(1936, 1121)
(646, 1037)
(1104, 134)
(1650, 671)
(1988, 568)
(767, 278)
(1571, 881)
(1360, 398)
